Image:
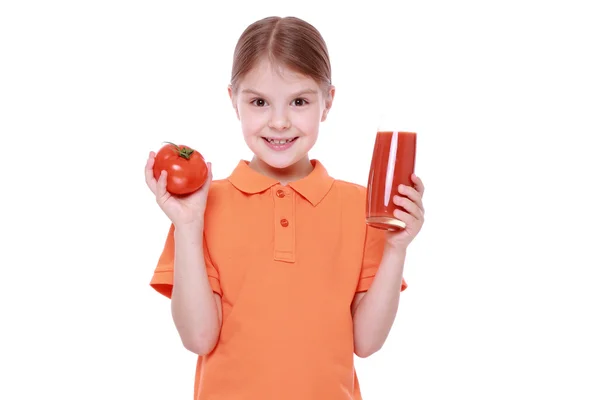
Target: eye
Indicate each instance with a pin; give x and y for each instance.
(259, 102)
(300, 102)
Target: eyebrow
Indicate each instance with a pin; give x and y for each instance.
(300, 93)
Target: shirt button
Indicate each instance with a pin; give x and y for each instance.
(280, 193)
(284, 222)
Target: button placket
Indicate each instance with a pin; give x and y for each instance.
(284, 226)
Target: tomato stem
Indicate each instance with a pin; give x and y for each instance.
(183, 151)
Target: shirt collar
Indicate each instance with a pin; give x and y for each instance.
(313, 187)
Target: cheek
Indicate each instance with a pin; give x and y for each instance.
(251, 122)
(309, 123)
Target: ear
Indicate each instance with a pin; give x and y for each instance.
(328, 102)
(233, 98)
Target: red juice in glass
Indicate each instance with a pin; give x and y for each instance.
(392, 164)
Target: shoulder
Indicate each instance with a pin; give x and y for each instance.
(221, 191)
(350, 188)
(219, 187)
(348, 195)
(223, 197)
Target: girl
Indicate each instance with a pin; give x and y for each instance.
(274, 278)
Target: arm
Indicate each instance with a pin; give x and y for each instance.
(374, 311)
(195, 308)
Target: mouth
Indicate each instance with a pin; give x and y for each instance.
(279, 142)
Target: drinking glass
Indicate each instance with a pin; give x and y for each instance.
(392, 164)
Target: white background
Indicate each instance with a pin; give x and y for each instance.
(505, 96)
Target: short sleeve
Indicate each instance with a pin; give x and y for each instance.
(162, 279)
(372, 254)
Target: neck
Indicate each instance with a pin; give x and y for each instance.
(286, 175)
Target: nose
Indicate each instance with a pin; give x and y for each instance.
(279, 120)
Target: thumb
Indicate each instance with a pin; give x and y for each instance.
(209, 177)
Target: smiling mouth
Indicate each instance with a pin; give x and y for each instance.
(279, 141)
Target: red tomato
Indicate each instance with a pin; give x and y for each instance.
(186, 169)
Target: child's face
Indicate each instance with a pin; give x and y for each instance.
(276, 103)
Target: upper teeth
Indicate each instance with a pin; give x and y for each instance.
(279, 141)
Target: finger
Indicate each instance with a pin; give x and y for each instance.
(413, 195)
(408, 205)
(419, 186)
(404, 217)
(161, 187)
(149, 173)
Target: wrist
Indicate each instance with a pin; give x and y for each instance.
(392, 264)
(396, 249)
(195, 228)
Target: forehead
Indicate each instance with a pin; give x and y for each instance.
(268, 76)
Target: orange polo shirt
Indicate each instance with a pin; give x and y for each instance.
(287, 262)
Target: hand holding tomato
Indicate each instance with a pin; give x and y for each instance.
(186, 168)
(183, 209)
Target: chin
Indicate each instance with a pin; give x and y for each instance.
(279, 162)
